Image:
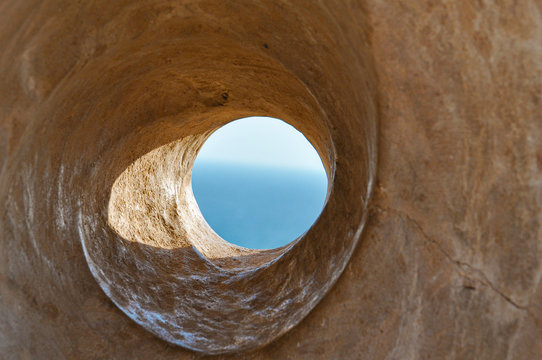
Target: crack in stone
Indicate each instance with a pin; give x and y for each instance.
(463, 266)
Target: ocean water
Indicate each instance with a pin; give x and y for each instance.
(258, 207)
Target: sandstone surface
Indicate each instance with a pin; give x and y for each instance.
(427, 117)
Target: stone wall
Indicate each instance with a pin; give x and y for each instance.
(427, 116)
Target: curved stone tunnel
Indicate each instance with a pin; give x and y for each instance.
(427, 119)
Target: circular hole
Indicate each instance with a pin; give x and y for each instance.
(259, 183)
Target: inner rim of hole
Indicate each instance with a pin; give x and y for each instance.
(303, 164)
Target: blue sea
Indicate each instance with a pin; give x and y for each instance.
(258, 207)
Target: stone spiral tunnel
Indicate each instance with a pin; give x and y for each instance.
(105, 254)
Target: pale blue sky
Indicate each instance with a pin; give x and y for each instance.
(261, 141)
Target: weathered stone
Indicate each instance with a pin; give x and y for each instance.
(103, 105)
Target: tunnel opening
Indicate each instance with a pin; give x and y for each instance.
(259, 183)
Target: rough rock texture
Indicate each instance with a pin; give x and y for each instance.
(95, 94)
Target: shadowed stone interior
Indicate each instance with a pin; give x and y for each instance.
(152, 205)
(175, 276)
(124, 130)
(103, 105)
